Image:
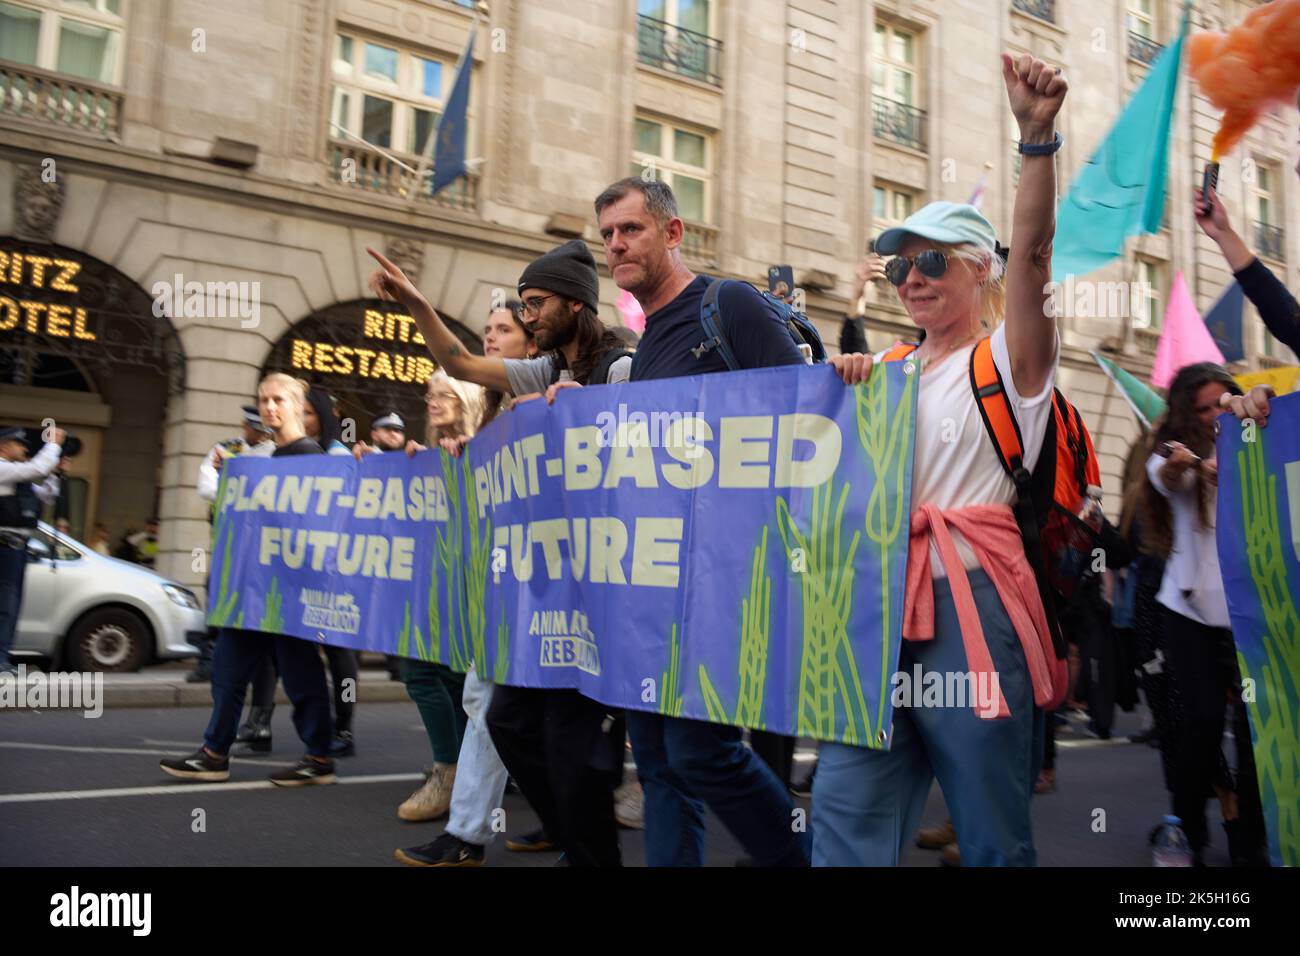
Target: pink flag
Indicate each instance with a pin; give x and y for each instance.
(630, 309)
(1184, 340)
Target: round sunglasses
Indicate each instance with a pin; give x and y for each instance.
(931, 262)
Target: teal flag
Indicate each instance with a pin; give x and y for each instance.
(1145, 401)
(1120, 191)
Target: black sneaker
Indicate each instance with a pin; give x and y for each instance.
(306, 773)
(447, 850)
(535, 842)
(343, 744)
(199, 765)
(198, 677)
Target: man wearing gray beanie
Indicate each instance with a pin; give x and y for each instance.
(564, 750)
(561, 296)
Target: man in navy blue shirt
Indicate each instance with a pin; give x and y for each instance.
(686, 764)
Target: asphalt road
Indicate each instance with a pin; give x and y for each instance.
(79, 792)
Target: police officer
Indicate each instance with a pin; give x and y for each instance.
(388, 432)
(24, 487)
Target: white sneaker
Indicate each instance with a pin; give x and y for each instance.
(629, 806)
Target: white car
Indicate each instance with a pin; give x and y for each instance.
(82, 611)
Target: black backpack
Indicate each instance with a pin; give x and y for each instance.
(800, 327)
(600, 371)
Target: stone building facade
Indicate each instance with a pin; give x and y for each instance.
(157, 143)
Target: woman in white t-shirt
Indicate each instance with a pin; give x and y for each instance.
(1179, 522)
(972, 608)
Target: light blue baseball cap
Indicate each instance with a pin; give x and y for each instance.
(951, 222)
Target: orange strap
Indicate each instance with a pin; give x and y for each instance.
(995, 409)
(898, 351)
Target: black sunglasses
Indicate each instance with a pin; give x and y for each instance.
(931, 262)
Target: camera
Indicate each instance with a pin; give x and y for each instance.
(35, 442)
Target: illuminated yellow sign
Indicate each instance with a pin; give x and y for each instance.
(329, 359)
(52, 319)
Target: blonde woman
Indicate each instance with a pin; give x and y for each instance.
(238, 653)
(972, 605)
(454, 409)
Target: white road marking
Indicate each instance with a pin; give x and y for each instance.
(1091, 742)
(138, 751)
(214, 788)
(167, 743)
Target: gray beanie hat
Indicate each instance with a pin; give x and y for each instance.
(569, 270)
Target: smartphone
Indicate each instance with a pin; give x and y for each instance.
(776, 275)
(1164, 450)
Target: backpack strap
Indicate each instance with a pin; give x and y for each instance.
(899, 351)
(710, 319)
(600, 371)
(1004, 431)
(995, 410)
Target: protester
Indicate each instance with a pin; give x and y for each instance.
(238, 652)
(319, 421)
(1136, 610)
(321, 425)
(24, 487)
(564, 750)
(1277, 307)
(436, 689)
(255, 440)
(1179, 520)
(480, 781)
(950, 280)
(505, 335)
(683, 764)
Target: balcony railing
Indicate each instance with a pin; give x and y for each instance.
(1042, 9)
(677, 49)
(1143, 49)
(1268, 239)
(40, 95)
(354, 165)
(899, 122)
(699, 243)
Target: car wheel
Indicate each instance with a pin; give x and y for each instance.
(109, 639)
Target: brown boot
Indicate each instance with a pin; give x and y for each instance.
(936, 838)
(433, 799)
(951, 855)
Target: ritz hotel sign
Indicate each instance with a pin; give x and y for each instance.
(54, 319)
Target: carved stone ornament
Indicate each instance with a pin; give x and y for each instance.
(408, 255)
(38, 203)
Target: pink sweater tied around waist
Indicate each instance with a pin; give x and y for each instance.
(992, 534)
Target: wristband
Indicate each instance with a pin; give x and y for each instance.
(1041, 149)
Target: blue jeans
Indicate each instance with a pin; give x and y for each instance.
(867, 803)
(234, 660)
(684, 765)
(13, 566)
